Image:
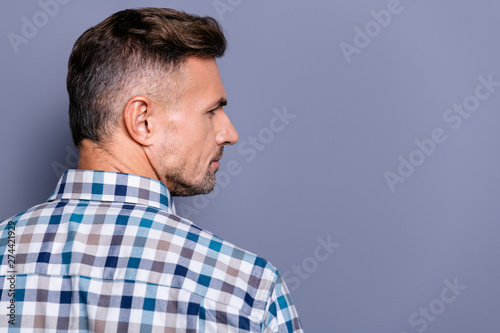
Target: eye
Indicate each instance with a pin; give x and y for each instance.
(212, 112)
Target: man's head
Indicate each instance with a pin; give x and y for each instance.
(146, 97)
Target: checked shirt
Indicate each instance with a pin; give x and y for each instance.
(107, 253)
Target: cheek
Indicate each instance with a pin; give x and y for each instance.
(201, 135)
(193, 138)
(209, 131)
(195, 128)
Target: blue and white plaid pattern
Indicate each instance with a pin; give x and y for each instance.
(107, 253)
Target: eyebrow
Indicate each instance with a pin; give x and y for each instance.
(221, 102)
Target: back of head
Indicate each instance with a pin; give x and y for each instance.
(132, 51)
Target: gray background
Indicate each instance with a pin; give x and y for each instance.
(323, 174)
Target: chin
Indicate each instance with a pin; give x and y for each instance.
(184, 190)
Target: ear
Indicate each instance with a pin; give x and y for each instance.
(138, 115)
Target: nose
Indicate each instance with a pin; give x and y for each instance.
(226, 133)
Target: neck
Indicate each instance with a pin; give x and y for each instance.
(129, 159)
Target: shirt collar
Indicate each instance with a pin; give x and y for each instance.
(113, 187)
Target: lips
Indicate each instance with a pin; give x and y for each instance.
(219, 156)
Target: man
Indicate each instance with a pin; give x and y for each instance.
(107, 252)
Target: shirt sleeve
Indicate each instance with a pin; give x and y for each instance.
(281, 315)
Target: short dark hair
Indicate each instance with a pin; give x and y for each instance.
(129, 46)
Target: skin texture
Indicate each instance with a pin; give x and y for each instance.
(177, 143)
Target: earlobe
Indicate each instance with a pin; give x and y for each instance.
(137, 115)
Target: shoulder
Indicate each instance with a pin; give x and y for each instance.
(33, 212)
(229, 261)
(227, 273)
(151, 246)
